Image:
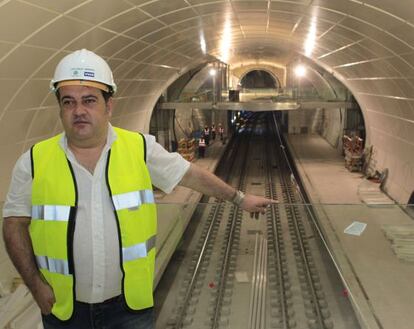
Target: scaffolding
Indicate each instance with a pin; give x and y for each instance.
(353, 149)
(186, 147)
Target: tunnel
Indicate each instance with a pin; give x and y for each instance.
(357, 81)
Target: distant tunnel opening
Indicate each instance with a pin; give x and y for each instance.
(410, 205)
(257, 79)
(411, 200)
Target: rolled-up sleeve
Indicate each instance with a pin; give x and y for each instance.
(18, 199)
(166, 169)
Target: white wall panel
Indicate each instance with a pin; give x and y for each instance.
(140, 38)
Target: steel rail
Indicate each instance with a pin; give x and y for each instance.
(228, 248)
(276, 235)
(186, 300)
(290, 207)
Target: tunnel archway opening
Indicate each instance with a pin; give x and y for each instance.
(410, 205)
(259, 79)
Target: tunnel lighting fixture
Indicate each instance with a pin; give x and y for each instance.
(213, 72)
(225, 40)
(203, 44)
(300, 71)
(309, 44)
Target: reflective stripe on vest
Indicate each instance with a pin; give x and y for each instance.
(139, 250)
(51, 212)
(132, 200)
(53, 265)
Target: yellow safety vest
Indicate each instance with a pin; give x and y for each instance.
(54, 205)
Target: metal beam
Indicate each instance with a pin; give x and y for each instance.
(255, 106)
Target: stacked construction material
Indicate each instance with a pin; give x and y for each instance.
(402, 239)
(186, 147)
(371, 194)
(18, 310)
(353, 149)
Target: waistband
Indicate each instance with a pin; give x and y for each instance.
(112, 301)
(107, 301)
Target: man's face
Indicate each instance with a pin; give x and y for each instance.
(84, 114)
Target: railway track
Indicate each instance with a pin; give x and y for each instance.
(238, 272)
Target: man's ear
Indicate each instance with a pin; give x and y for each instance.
(109, 106)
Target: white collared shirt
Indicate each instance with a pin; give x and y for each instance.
(96, 246)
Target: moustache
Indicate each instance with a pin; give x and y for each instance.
(80, 121)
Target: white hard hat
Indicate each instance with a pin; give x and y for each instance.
(83, 67)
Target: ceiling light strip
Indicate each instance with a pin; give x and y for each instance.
(391, 116)
(363, 62)
(268, 15)
(331, 28)
(379, 78)
(341, 48)
(296, 26)
(391, 136)
(387, 96)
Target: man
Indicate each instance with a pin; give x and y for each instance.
(213, 132)
(221, 132)
(201, 147)
(79, 218)
(206, 135)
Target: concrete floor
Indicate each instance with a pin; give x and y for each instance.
(381, 285)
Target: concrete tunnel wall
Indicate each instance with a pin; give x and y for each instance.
(368, 46)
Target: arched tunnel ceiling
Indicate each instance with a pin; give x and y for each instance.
(368, 45)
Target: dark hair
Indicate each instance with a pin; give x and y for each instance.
(106, 94)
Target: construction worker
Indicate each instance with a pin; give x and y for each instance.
(201, 147)
(221, 131)
(206, 135)
(79, 218)
(213, 132)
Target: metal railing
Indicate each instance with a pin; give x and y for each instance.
(267, 94)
